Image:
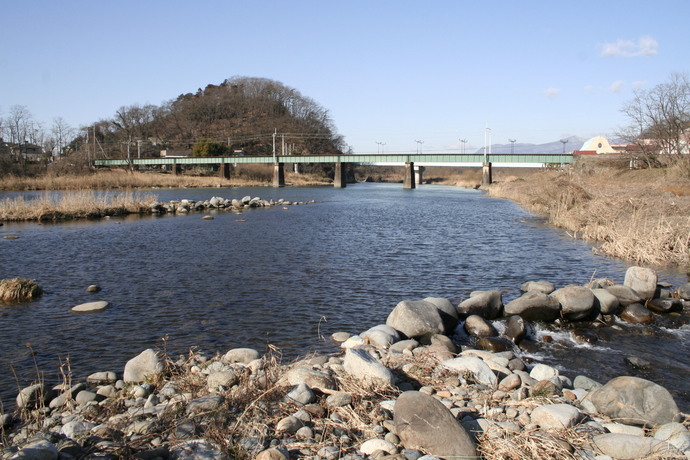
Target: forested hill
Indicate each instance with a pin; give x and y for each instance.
(240, 113)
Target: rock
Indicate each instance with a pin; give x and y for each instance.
(76, 428)
(340, 337)
(487, 304)
(544, 372)
(637, 314)
(534, 306)
(494, 344)
(338, 399)
(585, 383)
(372, 445)
(675, 434)
(400, 347)
(544, 389)
(301, 395)
(473, 368)
(634, 401)
(542, 286)
(630, 446)
(85, 396)
(556, 416)
(224, 379)
(381, 336)
(289, 424)
(476, 326)
(90, 307)
(354, 341)
(312, 378)
(637, 363)
(515, 329)
(448, 312)
(207, 403)
(273, 454)
(605, 302)
(366, 368)
(582, 336)
(625, 294)
(241, 355)
(38, 450)
(576, 302)
(443, 341)
(93, 288)
(143, 365)
(102, 377)
(33, 396)
(424, 423)
(641, 280)
(667, 305)
(510, 383)
(197, 449)
(684, 291)
(415, 318)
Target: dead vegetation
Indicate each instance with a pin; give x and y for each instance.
(639, 216)
(19, 290)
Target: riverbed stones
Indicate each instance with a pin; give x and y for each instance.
(241, 355)
(642, 280)
(476, 326)
(381, 336)
(142, 366)
(360, 364)
(634, 401)
(102, 377)
(556, 416)
(473, 368)
(546, 287)
(625, 294)
(515, 329)
(33, 395)
(617, 445)
(90, 307)
(666, 305)
(637, 313)
(605, 302)
(313, 378)
(424, 423)
(38, 450)
(416, 318)
(487, 304)
(576, 301)
(534, 306)
(684, 291)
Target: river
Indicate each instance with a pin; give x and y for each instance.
(289, 277)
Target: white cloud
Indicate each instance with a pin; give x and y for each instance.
(645, 46)
(551, 93)
(617, 86)
(639, 84)
(589, 89)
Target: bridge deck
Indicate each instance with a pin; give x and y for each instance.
(427, 159)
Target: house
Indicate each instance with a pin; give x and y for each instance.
(595, 146)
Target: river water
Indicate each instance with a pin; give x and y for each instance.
(289, 277)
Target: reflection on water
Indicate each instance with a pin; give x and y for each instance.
(344, 262)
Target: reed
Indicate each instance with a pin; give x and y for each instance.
(74, 205)
(630, 215)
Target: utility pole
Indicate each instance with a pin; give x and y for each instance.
(275, 132)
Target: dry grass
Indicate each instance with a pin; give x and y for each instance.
(631, 214)
(19, 290)
(72, 205)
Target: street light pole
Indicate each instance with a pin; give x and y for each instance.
(464, 142)
(419, 146)
(564, 141)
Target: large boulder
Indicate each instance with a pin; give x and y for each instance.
(487, 304)
(547, 287)
(642, 280)
(534, 306)
(625, 294)
(142, 366)
(637, 314)
(634, 401)
(576, 302)
(476, 326)
(424, 423)
(416, 318)
(605, 302)
(447, 310)
(360, 364)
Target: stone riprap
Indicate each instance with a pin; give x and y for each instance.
(218, 203)
(385, 394)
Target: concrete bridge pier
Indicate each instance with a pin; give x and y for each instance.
(176, 169)
(224, 170)
(408, 180)
(339, 176)
(419, 174)
(486, 174)
(278, 175)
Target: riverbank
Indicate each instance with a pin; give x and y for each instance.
(376, 398)
(636, 215)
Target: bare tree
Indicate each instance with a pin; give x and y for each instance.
(62, 135)
(18, 124)
(660, 118)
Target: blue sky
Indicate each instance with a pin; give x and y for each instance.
(387, 71)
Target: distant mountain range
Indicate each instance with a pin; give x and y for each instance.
(574, 143)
